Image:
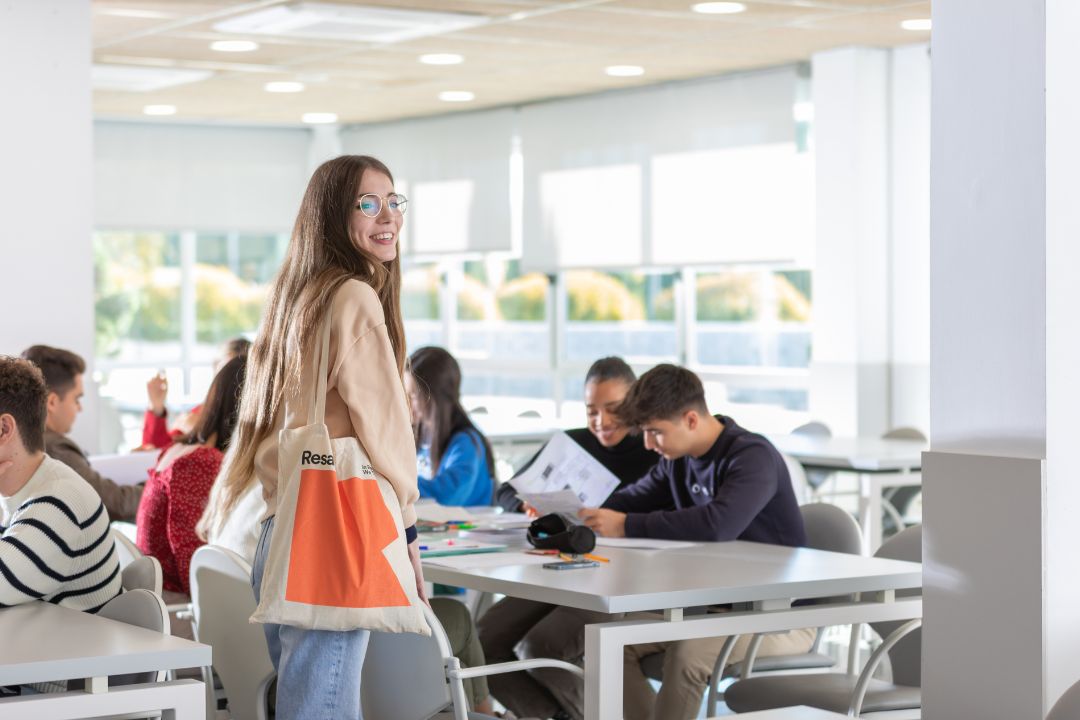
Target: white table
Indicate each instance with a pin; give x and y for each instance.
(879, 463)
(760, 580)
(42, 642)
(798, 712)
(801, 712)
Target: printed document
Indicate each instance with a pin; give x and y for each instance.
(565, 477)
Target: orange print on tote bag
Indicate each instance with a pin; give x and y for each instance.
(337, 558)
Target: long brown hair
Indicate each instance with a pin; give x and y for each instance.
(217, 419)
(438, 378)
(320, 258)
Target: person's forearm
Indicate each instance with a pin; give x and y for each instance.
(414, 558)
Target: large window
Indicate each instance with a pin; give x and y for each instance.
(168, 302)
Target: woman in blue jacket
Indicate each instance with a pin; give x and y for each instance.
(455, 464)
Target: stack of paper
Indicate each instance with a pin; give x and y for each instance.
(564, 478)
(488, 560)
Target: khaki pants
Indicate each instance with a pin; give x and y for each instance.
(461, 632)
(687, 667)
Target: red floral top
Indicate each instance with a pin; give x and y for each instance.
(172, 503)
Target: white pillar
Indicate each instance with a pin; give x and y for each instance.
(46, 192)
(1002, 636)
(909, 241)
(849, 370)
(325, 145)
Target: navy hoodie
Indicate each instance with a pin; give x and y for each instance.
(738, 490)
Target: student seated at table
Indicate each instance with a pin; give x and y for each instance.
(54, 531)
(156, 431)
(454, 460)
(715, 481)
(63, 371)
(604, 437)
(179, 485)
(516, 628)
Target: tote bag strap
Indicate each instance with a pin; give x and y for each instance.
(317, 409)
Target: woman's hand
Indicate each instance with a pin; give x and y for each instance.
(529, 510)
(414, 558)
(157, 390)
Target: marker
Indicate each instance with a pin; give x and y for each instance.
(423, 547)
(598, 558)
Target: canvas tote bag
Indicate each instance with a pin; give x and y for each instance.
(338, 558)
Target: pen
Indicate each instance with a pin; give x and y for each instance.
(423, 547)
(598, 558)
(567, 558)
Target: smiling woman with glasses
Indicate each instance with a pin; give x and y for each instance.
(371, 204)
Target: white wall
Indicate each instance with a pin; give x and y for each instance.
(46, 174)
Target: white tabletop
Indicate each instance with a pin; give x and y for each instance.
(704, 574)
(502, 429)
(42, 642)
(802, 712)
(853, 453)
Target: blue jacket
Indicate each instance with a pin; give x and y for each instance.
(462, 478)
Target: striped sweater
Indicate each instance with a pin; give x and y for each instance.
(55, 543)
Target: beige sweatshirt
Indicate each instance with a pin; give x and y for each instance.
(364, 399)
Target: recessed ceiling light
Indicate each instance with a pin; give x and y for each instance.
(234, 45)
(917, 24)
(456, 96)
(442, 59)
(284, 86)
(624, 70)
(718, 8)
(159, 109)
(319, 118)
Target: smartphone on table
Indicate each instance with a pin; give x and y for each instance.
(570, 564)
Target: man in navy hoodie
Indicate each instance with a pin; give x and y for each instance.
(716, 481)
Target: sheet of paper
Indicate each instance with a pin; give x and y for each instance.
(125, 468)
(643, 543)
(563, 465)
(434, 512)
(564, 502)
(487, 560)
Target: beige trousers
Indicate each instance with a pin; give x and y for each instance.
(687, 667)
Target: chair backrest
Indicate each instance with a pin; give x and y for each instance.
(1068, 705)
(222, 601)
(387, 693)
(126, 551)
(478, 410)
(143, 573)
(799, 483)
(141, 608)
(529, 414)
(906, 656)
(904, 433)
(814, 428)
(831, 528)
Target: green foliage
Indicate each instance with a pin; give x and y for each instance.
(524, 298)
(727, 297)
(793, 294)
(225, 305)
(596, 296)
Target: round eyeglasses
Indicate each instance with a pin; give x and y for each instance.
(372, 204)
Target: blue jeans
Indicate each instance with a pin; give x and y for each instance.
(318, 671)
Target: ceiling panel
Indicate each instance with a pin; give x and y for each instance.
(527, 50)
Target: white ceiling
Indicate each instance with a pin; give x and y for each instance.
(521, 51)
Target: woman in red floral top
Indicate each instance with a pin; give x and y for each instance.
(179, 485)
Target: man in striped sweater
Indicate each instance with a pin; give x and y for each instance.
(54, 530)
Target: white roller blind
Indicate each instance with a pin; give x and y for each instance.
(163, 176)
(457, 170)
(717, 172)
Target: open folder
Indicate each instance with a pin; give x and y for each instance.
(564, 478)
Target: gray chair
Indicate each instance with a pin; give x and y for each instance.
(142, 573)
(844, 693)
(432, 688)
(830, 528)
(897, 500)
(142, 608)
(127, 551)
(1068, 705)
(815, 428)
(222, 599)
